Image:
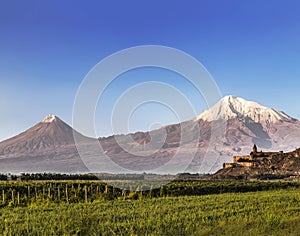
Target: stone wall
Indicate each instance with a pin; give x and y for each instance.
(237, 159)
(228, 165)
(246, 164)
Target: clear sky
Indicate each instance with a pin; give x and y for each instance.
(251, 48)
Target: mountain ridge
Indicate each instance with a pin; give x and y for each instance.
(235, 107)
(51, 141)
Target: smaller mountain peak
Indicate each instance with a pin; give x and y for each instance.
(49, 119)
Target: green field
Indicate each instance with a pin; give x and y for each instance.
(272, 212)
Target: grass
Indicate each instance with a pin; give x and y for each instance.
(273, 212)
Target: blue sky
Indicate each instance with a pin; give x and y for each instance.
(251, 48)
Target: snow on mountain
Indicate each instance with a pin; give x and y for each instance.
(49, 119)
(231, 107)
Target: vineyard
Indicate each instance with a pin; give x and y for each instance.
(178, 208)
(22, 193)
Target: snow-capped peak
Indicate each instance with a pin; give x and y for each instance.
(49, 119)
(231, 107)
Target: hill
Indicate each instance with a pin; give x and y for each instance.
(262, 165)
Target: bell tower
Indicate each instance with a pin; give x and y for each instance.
(254, 149)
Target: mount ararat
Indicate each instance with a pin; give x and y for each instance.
(237, 123)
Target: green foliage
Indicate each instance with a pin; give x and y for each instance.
(23, 193)
(76, 207)
(257, 213)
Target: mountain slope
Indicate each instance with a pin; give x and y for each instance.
(46, 147)
(236, 123)
(250, 122)
(49, 134)
(231, 107)
(245, 123)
